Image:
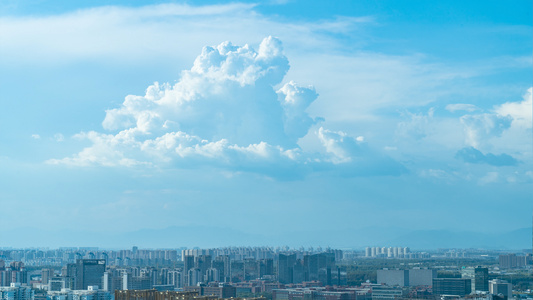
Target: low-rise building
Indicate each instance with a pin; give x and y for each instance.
(452, 286)
(497, 286)
(387, 292)
(91, 293)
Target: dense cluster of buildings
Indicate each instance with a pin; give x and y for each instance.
(63, 256)
(168, 257)
(237, 272)
(473, 279)
(513, 261)
(225, 272)
(13, 273)
(394, 252)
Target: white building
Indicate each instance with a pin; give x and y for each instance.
(497, 286)
(92, 293)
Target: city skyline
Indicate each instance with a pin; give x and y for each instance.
(262, 273)
(278, 123)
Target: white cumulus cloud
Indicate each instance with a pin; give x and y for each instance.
(227, 94)
(510, 118)
(520, 112)
(481, 127)
(224, 112)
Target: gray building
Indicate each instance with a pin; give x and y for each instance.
(393, 277)
(413, 277)
(285, 268)
(421, 276)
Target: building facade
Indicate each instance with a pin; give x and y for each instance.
(452, 286)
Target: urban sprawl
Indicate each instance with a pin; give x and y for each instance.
(282, 273)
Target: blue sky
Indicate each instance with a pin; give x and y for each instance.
(277, 120)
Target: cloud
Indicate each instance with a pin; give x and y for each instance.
(35, 136)
(354, 157)
(328, 53)
(58, 137)
(228, 95)
(481, 127)
(114, 32)
(511, 118)
(417, 127)
(520, 112)
(106, 150)
(295, 100)
(490, 177)
(461, 107)
(225, 112)
(472, 155)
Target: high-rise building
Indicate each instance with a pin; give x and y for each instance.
(175, 278)
(15, 273)
(286, 264)
(188, 264)
(89, 272)
(481, 279)
(223, 264)
(46, 275)
(266, 267)
(202, 262)
(319, 267)
(511, 261)
(194, 276)
(212, 275)
(69, 273)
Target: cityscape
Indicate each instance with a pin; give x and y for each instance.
(266, 150)
(270, 273)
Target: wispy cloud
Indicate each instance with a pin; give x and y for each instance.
(461, 107)
(149, 32)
